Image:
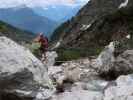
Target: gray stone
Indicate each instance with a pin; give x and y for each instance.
(123, 90)
(79, 95)
(21, 73)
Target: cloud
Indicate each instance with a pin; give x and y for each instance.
(54, 2)
(49, 2)
(7, 3)
(10, 3)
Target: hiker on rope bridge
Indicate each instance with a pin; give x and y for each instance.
(43, 41)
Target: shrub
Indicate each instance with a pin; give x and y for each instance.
(74, 54)
(35, 49)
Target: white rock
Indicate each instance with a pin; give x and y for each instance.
(128, 36)
(122, 91)
(52, 70)
(14, 58)
(124, 80)
(85, 27)
(130, 98)
(23, 92)
(79, 95)
(124, 4)
(44, 94)
(50, 58)
(57, 44)
(105, 59)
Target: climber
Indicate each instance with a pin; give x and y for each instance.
(43, 40)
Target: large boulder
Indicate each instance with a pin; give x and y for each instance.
(79, 95)
(110, 66)
(50, 58)
(122, 65)
(105, 59)
(122, 91)
(22, 75)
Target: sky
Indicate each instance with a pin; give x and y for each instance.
(40, 3)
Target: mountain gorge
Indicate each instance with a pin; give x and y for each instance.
(62, 12)
(97, 24)
(25, 18)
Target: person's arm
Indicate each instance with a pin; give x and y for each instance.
(37, 39)
(45, 43)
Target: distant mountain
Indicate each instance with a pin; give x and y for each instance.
(25, 18)
(58, 13)
(15, 33)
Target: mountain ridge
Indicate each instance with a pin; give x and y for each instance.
(26, 19)
(15, 33)
(97, 24)
(57, 11)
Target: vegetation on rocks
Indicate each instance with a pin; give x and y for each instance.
(14, 33)
(57, 33)
(69, 54)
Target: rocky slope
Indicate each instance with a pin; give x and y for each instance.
(97, 24)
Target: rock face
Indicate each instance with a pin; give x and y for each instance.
(80, 95)
(21, 73)
(98, 23)
(108, 65)
(105, 59)
(123, 90)
(50, 58)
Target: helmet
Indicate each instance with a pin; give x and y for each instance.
(40, 34)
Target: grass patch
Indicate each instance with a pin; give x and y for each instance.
(16, 34)
(74, 54)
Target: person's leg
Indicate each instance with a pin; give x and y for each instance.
(44, 58)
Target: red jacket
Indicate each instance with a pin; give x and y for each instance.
(43, 40)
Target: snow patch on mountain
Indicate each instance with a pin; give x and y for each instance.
(124, 4)
(85, 27)
(128, 36)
